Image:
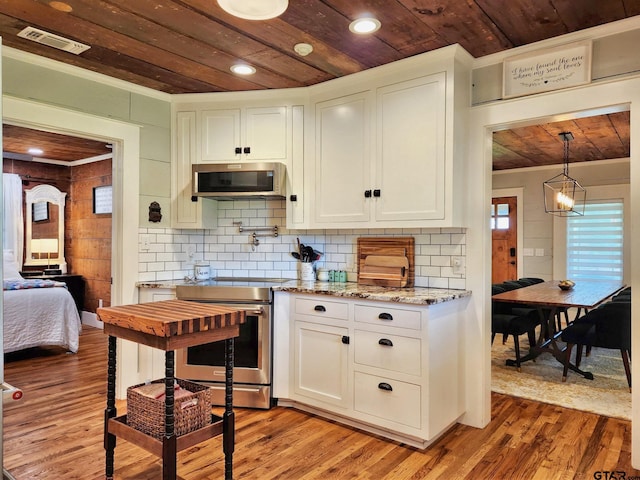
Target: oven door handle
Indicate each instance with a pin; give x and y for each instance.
(257, 313)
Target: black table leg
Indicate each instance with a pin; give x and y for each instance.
(169, 442)
(546, 341)
(110, 411)
(228, 420)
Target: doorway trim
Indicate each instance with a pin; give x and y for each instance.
(517, 192)
(619, 95)
(126, 171)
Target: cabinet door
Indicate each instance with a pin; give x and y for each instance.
(343, 163)
(410, 165)
(220, 135)
(320, 363)
(266, 134)
(186, 213)
(260, 133)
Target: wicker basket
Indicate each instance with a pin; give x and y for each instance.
(191, 411)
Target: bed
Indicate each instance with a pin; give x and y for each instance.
(38, 313)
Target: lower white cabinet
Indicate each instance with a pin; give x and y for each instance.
(388, 399)
(392, 369)
(321, 358)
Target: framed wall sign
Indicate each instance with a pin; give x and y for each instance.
(40, 211)
(544, 70)
(102, 202)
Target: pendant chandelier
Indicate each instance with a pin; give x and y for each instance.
(563, 195)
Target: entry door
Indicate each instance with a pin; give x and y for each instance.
(504, 239)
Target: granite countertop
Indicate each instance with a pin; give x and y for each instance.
(411, 295)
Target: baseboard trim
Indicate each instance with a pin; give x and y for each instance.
(91, 319)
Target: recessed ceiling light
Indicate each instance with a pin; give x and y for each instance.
(365, 25)
(61, 6)
(243, 69)
(35, 151)
(254, 9)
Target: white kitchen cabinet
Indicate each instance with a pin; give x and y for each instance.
(410, 151)
(388, 368)
(188, 211)
(343, 159)
(389, 145)
(320, 359)
(250, 133)
(396, 175)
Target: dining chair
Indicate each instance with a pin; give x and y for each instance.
(607, 326)
(504, 321)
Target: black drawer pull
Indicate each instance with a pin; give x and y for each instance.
(320, 308)
(238, 150)
(385, 316)
(367, 194)
(385, 386)
(376, 193)
(345, 340)
(386, 342)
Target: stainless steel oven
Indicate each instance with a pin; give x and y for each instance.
(252, 348)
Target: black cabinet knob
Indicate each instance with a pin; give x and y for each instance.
(367, 194)
(238, 150)
(385, 342)
(345, 340)
(385, 316)
(376, 193)
(247, 150)
(293, 198)
(385, 386)
(320, 308)
(194, 198)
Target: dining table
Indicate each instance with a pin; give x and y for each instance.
(548, 298)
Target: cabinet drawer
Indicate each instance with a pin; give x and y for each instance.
(392, 317)
(388, 399)
(391, 352)
(320, 307)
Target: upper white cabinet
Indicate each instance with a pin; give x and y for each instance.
(234, 127)
(343, 159)
(188, 211)
(410, 150)
(387, 143)
(251, 133)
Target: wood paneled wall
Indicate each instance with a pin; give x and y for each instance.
(87, 235)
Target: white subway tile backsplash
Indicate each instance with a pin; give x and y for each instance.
(231, 253)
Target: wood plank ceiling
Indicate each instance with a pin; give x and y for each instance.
(188, 46)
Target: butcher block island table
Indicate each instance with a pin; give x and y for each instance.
(169, 325)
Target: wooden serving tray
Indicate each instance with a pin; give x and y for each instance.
(386, 261)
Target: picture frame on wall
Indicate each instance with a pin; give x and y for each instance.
(102, 199)
(548, 69)
(40, 211)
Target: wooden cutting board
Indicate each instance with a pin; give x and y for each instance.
(386, 261)
(393, 270)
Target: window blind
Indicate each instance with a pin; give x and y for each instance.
(595, 242)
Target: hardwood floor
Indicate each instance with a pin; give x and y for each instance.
(55, 432)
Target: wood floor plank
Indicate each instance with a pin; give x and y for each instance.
(55, 431)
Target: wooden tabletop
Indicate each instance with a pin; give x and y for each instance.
(172, 324)
(585, 294)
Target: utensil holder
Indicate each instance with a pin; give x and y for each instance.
(305, 272)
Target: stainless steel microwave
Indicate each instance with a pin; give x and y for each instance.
(230, 181)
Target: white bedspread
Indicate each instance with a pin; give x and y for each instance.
(40, 316)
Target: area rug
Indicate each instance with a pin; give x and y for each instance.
(607, 394)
